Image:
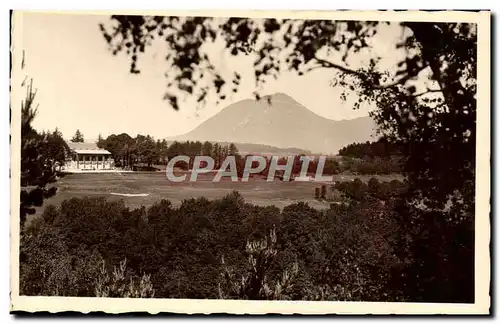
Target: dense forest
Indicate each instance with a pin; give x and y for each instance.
(201, 248)
(381, 148)
(380, 157)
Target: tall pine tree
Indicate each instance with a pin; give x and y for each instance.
(78, 137)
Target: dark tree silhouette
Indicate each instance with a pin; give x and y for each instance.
(100, 141)
(78, 137)
(40, 156)
(122, 147)
(380, 148)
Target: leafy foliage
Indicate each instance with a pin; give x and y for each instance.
(119, 284)
(207, 249)
(255, 285)
(371, 166)
(122, 148)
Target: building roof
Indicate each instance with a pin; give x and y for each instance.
(87, 148)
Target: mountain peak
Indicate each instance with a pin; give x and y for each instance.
(280, 96)
(282, 100)
(279, 120)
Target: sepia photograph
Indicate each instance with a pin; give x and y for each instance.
(250, 162)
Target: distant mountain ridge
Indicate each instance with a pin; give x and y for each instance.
(262, 149)
(281, 122)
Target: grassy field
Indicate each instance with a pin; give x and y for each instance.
(157, 187)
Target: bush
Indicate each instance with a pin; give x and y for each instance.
(120, 283)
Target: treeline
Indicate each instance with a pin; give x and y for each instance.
(381, 148)
(380, 157)
(144, 149)
(383, 190)
(330, 167)
(368, 166)
(128, 152)
(215, 150)
(42, 154)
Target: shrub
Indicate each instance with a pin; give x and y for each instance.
(255, 283)
(122, 284)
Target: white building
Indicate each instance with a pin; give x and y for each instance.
(88, 157)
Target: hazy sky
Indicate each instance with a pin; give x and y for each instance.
(82, 85)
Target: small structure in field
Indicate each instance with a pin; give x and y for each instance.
(329, 194)
(323, 191)
(320, 192)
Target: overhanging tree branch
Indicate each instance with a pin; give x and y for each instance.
(403, 79)
(427, 92)
(327, 64)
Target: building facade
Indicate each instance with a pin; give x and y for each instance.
(88, 157)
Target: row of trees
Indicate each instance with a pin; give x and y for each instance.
(376, 165)
(381, 148)
(128, 151)
(347, 164)
(380, 157)
(216, 151)
(330, 167)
